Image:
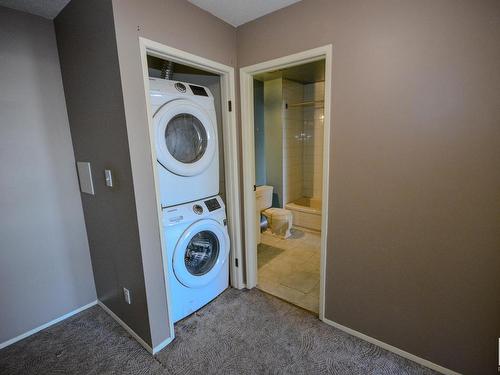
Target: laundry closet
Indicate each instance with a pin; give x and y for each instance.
(185, 105)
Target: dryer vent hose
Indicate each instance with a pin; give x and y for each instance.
(167, 70)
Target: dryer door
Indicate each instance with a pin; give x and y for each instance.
(200, 253)
(186, 137)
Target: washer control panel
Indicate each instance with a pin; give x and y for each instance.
(198, 209)
(198, 90)
(212, 204)
(180, 87)
(212, 208)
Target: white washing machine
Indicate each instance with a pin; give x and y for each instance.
(197, 249)
(185, 126)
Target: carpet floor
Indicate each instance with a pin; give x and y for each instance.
(241, 332)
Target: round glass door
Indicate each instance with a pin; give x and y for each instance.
(186, 137)
(201, 253)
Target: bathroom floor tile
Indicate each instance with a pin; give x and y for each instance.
(301, 280)
(289, 269)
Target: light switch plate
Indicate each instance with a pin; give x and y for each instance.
(126, 295)
(108, 178)
(85, 177)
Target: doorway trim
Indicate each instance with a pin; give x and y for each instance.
(231, 168)
(248, 153)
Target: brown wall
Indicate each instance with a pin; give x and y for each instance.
(414, 237)
(178, 24)
(91, 76)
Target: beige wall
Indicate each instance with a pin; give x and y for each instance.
(178, 24)
(414, 237)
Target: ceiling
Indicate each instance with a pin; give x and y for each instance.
(238, 12)
(305, 73)
(234, 12)
(45, 8)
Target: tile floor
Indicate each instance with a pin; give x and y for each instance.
(289, 269)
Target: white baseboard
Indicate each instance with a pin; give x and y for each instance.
(154, 350)
(46, 325)
(160, 346)
(393, 349)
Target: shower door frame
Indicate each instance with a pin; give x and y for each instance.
(248, 155)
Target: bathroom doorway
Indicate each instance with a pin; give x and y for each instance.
(285, 111)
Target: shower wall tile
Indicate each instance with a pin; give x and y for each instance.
(294, 139)
(313, 146)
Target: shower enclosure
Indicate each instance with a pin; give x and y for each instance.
(292, 142)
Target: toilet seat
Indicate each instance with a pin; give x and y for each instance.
(280, 221)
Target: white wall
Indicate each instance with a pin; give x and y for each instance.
(273, 138)
(259, 136)
(45, 269)
(293, 141)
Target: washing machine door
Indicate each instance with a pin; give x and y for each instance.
(201, 253)
(186, 137)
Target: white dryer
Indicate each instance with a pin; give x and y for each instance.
(197, 252)
(185, 127)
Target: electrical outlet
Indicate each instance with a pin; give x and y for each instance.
(126, 294)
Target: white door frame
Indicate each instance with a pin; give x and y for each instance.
(247, 123)
(226, 73)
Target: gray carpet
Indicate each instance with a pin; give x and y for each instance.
(241, 332)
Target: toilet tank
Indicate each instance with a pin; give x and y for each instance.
(263, 197)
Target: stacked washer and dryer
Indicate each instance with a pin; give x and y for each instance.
(194, 218)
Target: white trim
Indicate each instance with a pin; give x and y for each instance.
(228, 93)
(161, 345)
(248, 167)
(143, 43)
(248, 149)
(393, 349)
(46, 325)
(326, 178)
(232, 172)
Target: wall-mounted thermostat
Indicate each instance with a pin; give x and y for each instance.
(85, 177)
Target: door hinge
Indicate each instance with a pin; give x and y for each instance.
(255, 188)
(230, 106)
(236, 262)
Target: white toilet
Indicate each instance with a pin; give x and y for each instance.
(280, 219)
